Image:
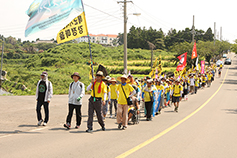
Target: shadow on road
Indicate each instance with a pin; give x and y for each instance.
(27, 126)
(58, 129)
(17, 132)
(231, 111)
(228, 81)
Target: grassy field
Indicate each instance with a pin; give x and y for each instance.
(62, 61)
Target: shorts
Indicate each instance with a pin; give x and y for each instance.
(203, 84)
(191, 88)
(175, 99)
(131, 110)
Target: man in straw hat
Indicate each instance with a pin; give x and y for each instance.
(114, 97)
(125, 91)
(44, 93)
(76, 92)
(97, 99)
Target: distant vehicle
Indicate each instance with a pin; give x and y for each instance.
(228, 61)
(219, 62)
(224, 55)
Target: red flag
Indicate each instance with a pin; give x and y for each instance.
(194, 52)
(182, 62)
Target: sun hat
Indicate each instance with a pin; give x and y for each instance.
(112, 79)
(107, 78)
(76, 74)
(149, 81)
(44, 73)
(99, 73)
(123, 76)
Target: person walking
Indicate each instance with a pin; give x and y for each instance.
(125, 91)
(192, 84)
(185, 88)
(177, 92)
(97, 99)
(76, 92)
(147, 97)
(114, 97)
(108, 98)
(44, 93)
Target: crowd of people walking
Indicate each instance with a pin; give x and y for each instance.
(124, 97)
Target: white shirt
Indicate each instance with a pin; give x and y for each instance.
(76, 90)
(192, 81)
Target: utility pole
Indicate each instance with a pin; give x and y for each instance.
(193, 30)
(1, 62)
(125, 34)
(151, 46)
(214, 33)
(221, 34)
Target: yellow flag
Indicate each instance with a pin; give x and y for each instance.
(75, 29)
(90, 72)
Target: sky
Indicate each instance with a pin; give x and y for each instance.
(106, 17)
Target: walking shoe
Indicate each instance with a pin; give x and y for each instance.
(44, 124)
(156, 113)
(103, 128)
(40, 122)
(77, 126)
(120, 125)
(89, 130)
(175, 108)
(124, 127)
(67, 125)
(110, 116)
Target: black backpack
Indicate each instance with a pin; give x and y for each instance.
(72, 84)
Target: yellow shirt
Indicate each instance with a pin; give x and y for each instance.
(108, 90)
(160, 87)
(177, 90)
(196, 83)
(113, 89)
(209, 76)
(147, 95)
(127, 89)
(167, 90)
(103, 90)
(203, 79)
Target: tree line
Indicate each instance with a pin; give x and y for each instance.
(137, 37)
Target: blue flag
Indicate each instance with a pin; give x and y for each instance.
(45, 13)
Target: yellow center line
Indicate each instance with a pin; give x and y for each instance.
(129, 152)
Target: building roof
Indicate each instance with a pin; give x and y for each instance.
(44, 41)
(104, 35)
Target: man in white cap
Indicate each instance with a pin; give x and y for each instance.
(125, 91)
(97, 99)
(44, 93)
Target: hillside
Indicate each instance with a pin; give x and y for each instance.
(61, 61)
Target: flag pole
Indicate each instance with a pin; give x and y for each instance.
(90, 56)
(89, 41)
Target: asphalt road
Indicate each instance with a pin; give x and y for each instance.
(210, 132)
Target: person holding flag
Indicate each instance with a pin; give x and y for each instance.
(97, 99)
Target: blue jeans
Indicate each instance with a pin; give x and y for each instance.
(46, 110)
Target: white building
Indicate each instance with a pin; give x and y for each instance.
(100, 39)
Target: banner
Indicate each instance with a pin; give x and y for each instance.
(44, 13)
(194, 52)
(197, 68)
(75, 29)
(202, 66)
(182, 62)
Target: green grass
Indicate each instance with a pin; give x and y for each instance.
(62, 61)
